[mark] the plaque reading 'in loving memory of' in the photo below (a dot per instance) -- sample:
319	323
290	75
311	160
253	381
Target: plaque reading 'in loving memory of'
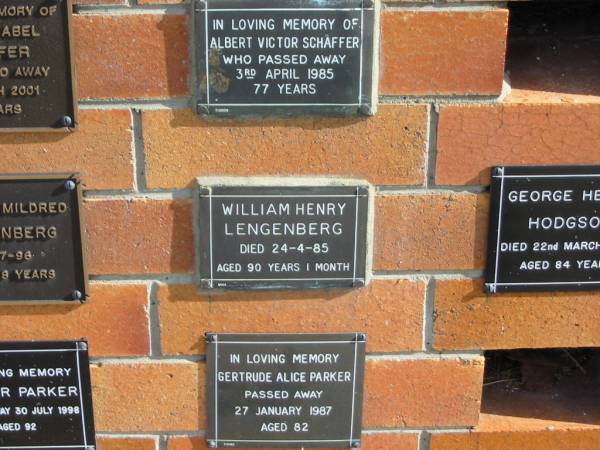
45	396
285	390
544	229
41	251
36	65
286	57
277	237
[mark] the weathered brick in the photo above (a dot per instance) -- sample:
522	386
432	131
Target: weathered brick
386	149
530	440
115	318
430	231
106	443
422	393
100	150
472	138
374	441
131	56
139	236
185	315
98	2
148	397
468	318
443	52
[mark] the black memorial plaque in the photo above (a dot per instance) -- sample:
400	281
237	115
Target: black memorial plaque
286	57
45	396
285	390
36	65
544	232
279	237
41	252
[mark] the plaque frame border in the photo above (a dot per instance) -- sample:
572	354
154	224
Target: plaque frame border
358	338
498	175
249	111
76	177
205	184
74	94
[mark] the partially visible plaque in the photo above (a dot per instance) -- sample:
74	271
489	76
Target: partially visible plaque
45	396
286	57
41	251
544	230
36	66
278	237
285	390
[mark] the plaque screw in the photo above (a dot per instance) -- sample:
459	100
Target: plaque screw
212	444
355	444
498	171
77	295
366	110
70	185
490	288
362	337
203	110
66	121
82	345
210	338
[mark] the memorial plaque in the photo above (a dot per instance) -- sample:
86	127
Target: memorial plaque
286	57
544	229
36	66
45	396
41	252
285	390
277	237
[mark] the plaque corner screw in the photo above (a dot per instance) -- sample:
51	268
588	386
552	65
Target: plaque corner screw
498	170
70	185
212	444
66	121
366	109
82	345
76	295
203	110
209	337
355	444
362	337
490	288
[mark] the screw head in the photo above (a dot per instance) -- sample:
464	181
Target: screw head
366	110
203	110
362	337
66	121
70	185
212	444
355	444
82	345
77	295
498	170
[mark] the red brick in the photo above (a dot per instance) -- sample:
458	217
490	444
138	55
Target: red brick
386	149
148	397
131	56
100	150
422	393
98	2
530	440
185	315
430	231
468	318
114	321
139	236
472	138
375	441
105	443
443	52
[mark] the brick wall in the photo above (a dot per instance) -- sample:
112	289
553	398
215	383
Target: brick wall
445	117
